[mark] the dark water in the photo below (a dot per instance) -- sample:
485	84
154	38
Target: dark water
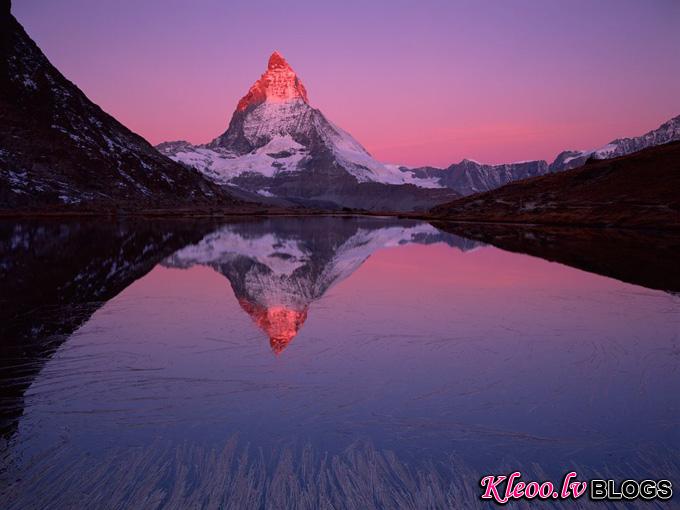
328	363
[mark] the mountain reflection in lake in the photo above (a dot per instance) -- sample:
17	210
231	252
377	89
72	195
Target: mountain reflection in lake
137	367
277	269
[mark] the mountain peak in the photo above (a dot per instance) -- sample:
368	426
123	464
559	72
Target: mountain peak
280	323
278	84
673	121
277	60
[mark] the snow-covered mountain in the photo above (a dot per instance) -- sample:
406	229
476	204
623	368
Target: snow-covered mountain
60	150
667	132
279	267
278	145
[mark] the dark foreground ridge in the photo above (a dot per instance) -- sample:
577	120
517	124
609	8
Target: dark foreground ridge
639	190
60	152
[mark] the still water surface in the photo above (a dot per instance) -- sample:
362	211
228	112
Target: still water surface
318	363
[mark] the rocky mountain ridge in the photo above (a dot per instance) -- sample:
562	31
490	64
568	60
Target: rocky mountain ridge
60	151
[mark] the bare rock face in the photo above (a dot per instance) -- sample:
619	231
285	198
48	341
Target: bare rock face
469	177
278	84
58	150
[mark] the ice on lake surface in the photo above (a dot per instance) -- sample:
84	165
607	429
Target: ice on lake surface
327	362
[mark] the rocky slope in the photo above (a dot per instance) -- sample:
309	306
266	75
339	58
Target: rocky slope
637	190
278	145
58	150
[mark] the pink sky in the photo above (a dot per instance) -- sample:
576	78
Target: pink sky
417	83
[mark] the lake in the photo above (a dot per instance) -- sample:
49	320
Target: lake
329	362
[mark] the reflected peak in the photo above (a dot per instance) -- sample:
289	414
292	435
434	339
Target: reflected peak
280	324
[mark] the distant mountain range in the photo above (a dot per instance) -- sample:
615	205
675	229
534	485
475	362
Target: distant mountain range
469	177
641	189
667	132
58	150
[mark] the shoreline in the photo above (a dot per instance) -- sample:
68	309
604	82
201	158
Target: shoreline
165	214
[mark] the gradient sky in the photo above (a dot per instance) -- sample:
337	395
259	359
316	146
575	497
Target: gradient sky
419	82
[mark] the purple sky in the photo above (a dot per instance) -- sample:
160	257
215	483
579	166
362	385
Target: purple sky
421	82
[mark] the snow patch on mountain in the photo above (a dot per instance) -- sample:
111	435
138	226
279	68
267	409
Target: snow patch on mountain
357	161
280	154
